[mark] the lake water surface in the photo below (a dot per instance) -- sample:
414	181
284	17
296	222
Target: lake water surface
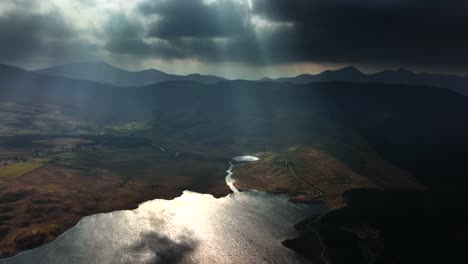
243	227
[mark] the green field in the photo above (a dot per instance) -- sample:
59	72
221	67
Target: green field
16	170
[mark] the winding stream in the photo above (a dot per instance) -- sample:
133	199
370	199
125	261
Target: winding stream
243	227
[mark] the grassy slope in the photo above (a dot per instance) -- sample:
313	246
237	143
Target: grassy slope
16	170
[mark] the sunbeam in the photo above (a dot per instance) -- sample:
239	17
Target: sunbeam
233	131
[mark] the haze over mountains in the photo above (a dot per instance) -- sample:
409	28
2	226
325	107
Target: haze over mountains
102	72
400	76
398	120
403	122
106	73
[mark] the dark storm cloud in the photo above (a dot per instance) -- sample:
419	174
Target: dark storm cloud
257	32
193	29
194	18
401	31
25	35
344	31
127	35
124	35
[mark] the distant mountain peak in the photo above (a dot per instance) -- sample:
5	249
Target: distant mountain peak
303	75
84	65
101	71
349	69
346	73
4	68
405	71
98	62
265	79
94	63
152	71
345	70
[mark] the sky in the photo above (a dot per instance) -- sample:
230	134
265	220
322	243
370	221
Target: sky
238	38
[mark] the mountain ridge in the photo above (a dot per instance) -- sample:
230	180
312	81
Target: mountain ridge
103	72
454	82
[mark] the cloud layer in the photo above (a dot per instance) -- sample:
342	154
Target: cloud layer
253	33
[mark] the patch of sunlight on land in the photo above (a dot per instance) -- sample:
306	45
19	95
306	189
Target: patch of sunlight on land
67	155
16	170
86	156
126	128
272	157
293	148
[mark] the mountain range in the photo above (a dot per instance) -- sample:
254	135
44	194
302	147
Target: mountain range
105	73
380	132
401	76
406	124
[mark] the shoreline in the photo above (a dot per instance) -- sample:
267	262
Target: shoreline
39	241
229	180
185	195
132	207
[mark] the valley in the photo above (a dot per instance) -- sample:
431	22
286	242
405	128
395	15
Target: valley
233	131
62	160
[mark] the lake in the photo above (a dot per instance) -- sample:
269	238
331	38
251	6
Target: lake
243	227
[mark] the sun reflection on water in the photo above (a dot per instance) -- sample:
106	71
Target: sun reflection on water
243	227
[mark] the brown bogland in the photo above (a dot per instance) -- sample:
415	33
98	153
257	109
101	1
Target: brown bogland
308	174
39	205
81	177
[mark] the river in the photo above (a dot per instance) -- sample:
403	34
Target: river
243	227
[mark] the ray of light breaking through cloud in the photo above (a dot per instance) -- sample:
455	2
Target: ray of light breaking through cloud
236	38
